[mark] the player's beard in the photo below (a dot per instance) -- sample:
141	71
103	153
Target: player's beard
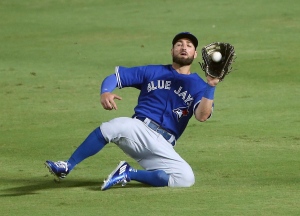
183	61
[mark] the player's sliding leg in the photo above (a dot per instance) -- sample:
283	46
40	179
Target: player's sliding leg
91	145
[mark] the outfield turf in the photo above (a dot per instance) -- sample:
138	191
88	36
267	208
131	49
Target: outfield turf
53	57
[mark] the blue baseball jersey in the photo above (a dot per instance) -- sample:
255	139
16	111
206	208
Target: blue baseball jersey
166	97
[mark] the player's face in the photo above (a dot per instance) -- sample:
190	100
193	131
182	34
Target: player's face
183	52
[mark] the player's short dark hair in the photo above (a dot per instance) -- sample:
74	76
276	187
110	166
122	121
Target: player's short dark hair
187	35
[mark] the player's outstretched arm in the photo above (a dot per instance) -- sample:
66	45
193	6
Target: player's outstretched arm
204	109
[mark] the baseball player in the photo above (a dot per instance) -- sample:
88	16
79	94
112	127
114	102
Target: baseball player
169	96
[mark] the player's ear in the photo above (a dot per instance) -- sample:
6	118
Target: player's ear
195	54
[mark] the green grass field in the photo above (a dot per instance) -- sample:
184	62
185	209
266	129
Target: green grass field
53	58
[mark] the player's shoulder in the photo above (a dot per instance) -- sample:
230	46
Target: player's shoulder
156	68
196	76
197	80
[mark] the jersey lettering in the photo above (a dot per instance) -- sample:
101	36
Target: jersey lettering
165	84
159	84
187	99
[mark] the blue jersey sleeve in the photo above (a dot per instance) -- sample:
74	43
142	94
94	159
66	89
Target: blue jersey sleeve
130	77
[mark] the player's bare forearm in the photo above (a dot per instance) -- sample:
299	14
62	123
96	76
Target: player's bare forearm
107	100
204	109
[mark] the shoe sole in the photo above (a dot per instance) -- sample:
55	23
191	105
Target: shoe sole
112	173
56	178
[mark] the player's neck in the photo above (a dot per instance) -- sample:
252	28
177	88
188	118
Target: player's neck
182	69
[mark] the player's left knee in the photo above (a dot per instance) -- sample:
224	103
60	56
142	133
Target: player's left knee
186	180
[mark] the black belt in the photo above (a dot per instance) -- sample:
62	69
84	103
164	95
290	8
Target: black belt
154	126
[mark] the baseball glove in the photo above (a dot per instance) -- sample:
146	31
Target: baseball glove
214	68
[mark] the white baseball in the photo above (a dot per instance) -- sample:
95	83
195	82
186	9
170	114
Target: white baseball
216	56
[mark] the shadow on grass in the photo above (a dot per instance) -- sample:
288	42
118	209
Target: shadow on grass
32	187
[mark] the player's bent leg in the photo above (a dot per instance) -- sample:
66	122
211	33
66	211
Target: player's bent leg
163	166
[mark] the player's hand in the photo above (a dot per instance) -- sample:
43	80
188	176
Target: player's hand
107	100
212	81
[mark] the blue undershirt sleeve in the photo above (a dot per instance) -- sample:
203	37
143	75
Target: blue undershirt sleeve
109	84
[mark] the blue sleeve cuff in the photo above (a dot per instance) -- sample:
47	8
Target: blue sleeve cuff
209	92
